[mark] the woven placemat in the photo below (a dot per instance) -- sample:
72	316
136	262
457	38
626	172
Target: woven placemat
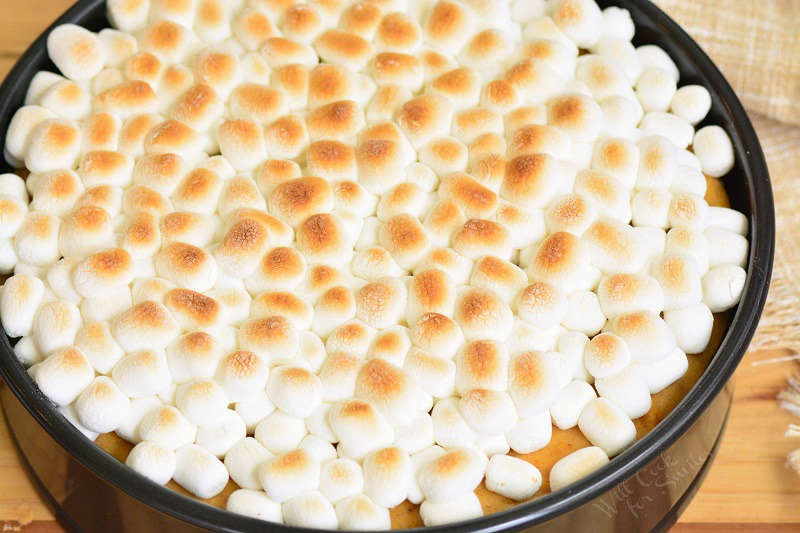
757	46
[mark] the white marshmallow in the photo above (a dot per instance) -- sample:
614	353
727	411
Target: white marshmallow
153	461
199	472
416	435
36	239
726	247
728	219
692	326
142	373
243	460
691	102
606	426
63	375
77	52
139	407
570	402
101	406
714	149
294	390
202	401
626	389
488	412
311	510
26	351
531	433
24	121
663	373
280	433
512	477
534	381
256	504
571	346
575	466
433	374
360	512
359	427
320	449
55	326
723	286
463	507
449	427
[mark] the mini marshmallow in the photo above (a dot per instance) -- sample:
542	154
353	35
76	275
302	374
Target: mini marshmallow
691	102
728	219
324	238
243	460
608	194
692	244
723	286
288	475
512	477
242	142
584	313
679	279
167	427
437	333
648	337
405	238
199	472
434	375
624	293
55	326
333	306
36	239
463	507
280	433
451	475
481	314
201	401
692	327
481	365
614	246
320	449
561	259
67	99
688	211
294	390
76	52
627	390
661	374
576	465
309	509
63	375
242	374
153	461
256	504
145	325
359	427
606	426
726	247
655	88
674	128
650	207
19	301
360	512
605	355
534	381
187	266
138	409
340	479
26	351
570	402
254	408
387	475
488	412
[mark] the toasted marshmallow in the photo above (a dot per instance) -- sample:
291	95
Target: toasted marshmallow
430	291
450	429
76	52
502	277
571	213
433	374
477	237
576	465
562	260
655	88
254	503
624	293
242	247
294	390
323	238
280	268
390	344
531	433
142	373
153	461
359	427
320	449
343	48
193	356
55	325
242	143
63	375
273	172
614	246
335	304
397	32
608	194
167	427
694	246
273	338
481	365
405	238
187	266
285	304
295	200
424	118
53	144
542	305
202	401
288	475
381	303
309	509
360	512
647	336
172	136
482	315
242	374
387	475
451	475
380	164
199	472
436	333
534	381
723	286
605	355
392	391
628	390
339	120
385	102
339	479
488	412
95	341
447	27
280	433
168	39
198	191
472	198
679	279
688	211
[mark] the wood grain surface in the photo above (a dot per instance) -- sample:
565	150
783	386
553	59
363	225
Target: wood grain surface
748	488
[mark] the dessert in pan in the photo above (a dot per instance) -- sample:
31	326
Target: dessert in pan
365	264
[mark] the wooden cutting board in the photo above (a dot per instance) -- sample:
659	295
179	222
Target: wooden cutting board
747	489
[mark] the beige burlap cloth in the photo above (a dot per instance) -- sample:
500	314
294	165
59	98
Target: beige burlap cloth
756	44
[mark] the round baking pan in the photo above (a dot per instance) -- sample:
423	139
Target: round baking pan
643	489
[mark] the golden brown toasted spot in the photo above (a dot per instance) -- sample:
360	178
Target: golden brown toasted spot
344	43
301	195
457	81
143	66
337	116
203	309
405	232
301	19
198	341
566	111
501	93
526	371
282	261
632	322
356	409
145	199
319	233
621	287
615	154
361	18
673	271
244	235
132	94
148	314
332	155
571	209
445	20
268	329
109	263
164	36
431	287
242	363
170	133
292	78
556	249
101	129
184	256
608	236
142	230
451	463
392	64
481	358
480	230
379	379
470	194
397	30
417	113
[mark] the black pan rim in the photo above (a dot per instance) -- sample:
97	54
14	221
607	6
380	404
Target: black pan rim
720	369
